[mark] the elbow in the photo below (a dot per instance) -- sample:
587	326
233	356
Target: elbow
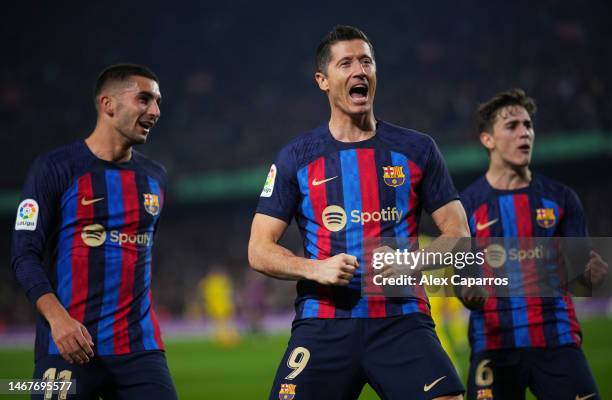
254	257
462	228
457	232
462	232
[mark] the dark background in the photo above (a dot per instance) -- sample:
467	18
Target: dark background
237	82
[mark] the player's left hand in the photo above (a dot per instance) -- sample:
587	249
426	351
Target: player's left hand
596	269
474	297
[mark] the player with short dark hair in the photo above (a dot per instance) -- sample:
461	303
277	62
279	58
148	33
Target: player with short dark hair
524	340
349	183
82	246
340	33
120	74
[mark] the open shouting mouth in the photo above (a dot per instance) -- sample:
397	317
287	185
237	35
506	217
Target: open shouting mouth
359	93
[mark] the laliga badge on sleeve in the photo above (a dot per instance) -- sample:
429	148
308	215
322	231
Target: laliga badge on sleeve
269	186
27	215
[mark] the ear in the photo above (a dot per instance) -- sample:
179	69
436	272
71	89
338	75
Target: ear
487	140
106	105
322	81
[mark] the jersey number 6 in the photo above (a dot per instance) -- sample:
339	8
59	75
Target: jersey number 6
484	374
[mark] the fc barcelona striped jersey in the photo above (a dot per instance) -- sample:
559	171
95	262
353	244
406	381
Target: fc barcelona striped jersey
85	231
543	209
344	195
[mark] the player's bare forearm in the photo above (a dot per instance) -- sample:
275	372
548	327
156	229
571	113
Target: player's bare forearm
452	222
277	261
270	258
51	308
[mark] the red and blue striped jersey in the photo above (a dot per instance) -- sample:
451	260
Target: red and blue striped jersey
543	209
85	231
345	197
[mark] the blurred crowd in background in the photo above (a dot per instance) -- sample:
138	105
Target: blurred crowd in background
237	83
236	86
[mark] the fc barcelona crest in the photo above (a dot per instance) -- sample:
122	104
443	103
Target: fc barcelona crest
394	175
484	394
287	391
151	203
545	217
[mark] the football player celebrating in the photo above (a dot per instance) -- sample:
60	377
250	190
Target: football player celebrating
524	340
348	183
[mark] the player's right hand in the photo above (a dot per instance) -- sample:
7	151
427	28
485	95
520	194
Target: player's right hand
72	339
337	270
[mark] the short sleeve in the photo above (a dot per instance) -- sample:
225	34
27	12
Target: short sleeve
280	195
573	223
437	188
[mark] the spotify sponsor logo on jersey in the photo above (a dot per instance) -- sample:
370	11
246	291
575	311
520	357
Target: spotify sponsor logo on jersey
385	215
95	235
334	217
141	239
496	255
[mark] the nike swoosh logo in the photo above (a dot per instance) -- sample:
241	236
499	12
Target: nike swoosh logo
317	183
427	388
480	226
588	396
86	202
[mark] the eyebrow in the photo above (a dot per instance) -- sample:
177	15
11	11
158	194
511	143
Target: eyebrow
517	120
150	95
361	57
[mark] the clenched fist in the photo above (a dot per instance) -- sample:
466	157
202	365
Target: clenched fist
337	270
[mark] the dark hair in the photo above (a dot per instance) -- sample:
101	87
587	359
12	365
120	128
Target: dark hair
338	34
120	73
488	111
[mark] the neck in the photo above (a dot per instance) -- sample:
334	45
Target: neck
508	178
352	128
107	144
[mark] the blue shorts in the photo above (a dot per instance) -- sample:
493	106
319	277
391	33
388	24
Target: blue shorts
400	357
142	375
550	373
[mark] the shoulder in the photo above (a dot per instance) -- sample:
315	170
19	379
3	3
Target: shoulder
65	158
545	183
553	189
478	186
549	187
304	148
477	192
401	137
419	147
148	163
150	167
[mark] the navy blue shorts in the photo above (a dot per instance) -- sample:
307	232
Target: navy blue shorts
550	373
142	375
400	357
